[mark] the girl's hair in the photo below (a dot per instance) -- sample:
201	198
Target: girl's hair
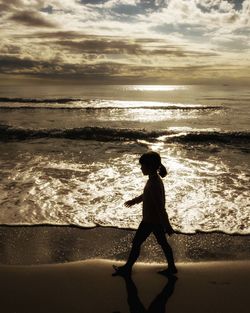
153	160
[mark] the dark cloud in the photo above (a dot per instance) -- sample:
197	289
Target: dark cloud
54	35
102	46
180	52
12	64
10	49
31	18
79	43
10	5
123	47
53	68
110	72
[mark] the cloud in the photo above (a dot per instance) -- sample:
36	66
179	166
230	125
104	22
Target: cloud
134	39
109	72
57	70
10	5
31	18
107	46
60	34
13	64
210	13
117	46
10	49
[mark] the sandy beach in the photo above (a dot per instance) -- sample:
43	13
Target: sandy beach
68	269
88	286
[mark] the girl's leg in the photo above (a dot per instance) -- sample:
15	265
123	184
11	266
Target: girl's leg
141	235
161	239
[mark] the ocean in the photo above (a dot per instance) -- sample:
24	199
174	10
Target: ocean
69	154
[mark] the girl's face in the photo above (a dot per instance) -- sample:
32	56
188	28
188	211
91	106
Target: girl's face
145	170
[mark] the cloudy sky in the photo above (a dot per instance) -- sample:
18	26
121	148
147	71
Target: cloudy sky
130	41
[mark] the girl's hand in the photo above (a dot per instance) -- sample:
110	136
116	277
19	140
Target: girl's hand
129	203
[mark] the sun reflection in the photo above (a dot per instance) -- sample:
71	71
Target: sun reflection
157	87
176	165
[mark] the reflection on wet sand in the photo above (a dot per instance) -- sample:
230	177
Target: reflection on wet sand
157	305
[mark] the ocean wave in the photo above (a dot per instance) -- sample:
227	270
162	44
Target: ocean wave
85	133
119	134
225	99
37	100
211	137
89	108
97	104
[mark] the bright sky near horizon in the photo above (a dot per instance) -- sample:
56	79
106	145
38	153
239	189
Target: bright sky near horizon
125	42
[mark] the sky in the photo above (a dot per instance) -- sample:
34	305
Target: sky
125	42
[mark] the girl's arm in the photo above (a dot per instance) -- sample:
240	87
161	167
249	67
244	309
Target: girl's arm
134	201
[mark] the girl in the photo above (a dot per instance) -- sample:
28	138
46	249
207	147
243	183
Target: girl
155	219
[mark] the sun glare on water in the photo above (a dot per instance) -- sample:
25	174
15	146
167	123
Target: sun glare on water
157	87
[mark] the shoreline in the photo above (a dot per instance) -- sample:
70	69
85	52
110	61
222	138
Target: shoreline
40	244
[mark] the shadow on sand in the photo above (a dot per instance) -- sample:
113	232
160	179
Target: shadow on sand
157	305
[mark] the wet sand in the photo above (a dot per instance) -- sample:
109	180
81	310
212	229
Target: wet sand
24	245
67	269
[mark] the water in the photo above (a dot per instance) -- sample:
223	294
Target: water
69	155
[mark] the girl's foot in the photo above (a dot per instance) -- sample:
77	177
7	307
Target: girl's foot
169	271
122	270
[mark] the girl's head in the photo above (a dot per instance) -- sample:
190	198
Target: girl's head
151	162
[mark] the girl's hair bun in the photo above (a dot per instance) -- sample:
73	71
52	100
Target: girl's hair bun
162	171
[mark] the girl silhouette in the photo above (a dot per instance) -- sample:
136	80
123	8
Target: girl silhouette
154	217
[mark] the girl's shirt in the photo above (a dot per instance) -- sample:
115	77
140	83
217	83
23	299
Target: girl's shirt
153	208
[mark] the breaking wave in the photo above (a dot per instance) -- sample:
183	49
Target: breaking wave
119	134
37	100
97	104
